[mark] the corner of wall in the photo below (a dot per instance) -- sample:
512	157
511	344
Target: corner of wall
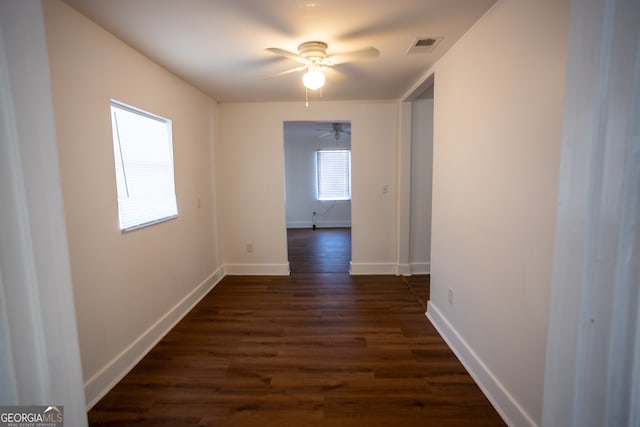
97	386
494	390
420	267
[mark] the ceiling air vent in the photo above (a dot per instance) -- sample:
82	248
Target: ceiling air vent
424	44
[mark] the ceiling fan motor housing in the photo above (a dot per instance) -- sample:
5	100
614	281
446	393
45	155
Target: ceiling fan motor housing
313	51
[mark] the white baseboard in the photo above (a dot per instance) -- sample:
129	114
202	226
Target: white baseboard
403	270
333	224
98	385
506	405
413	268
420	268
299	224
319	224
372	268
256	269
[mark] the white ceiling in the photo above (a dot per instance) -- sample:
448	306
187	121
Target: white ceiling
219	45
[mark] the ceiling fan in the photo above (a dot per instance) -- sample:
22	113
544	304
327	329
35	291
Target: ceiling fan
313	57
336	131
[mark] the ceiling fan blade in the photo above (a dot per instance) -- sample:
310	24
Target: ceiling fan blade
367	52
287	54
292	70
335	75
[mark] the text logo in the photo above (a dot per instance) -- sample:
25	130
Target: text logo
31	416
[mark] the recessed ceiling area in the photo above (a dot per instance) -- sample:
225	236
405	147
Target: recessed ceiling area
219	46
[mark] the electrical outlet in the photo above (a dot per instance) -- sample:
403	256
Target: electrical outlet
450	296
385	188
249	247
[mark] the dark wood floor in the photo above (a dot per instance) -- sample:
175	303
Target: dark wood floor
311	349
323	250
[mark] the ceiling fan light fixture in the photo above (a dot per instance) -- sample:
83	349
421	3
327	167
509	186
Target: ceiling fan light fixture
313	57
313	79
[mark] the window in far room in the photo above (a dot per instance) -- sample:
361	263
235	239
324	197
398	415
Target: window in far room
333	168
143	154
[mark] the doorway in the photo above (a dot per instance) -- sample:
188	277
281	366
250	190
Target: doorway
323	250
421	163
318	195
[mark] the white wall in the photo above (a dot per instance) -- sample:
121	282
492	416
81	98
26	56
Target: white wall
39	352
129	288
421	168
300	179
250	163
497	133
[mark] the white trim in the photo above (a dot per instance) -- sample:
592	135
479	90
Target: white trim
333	224
593	316
320	224
359	268
100	384
299	224
506	405
403	270
420	268
33	251
256	269
18	261
403	188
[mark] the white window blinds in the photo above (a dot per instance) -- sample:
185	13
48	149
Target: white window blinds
334	174
143	155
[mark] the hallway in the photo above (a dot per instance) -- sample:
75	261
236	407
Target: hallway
323	250
310	349
317	348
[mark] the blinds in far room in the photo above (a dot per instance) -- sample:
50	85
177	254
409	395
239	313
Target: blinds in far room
334	174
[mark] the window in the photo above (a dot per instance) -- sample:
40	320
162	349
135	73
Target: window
334	174
143	155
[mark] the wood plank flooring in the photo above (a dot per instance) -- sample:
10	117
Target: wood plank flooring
323	250
311	349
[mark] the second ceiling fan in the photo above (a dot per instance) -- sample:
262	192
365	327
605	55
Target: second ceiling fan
337	130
